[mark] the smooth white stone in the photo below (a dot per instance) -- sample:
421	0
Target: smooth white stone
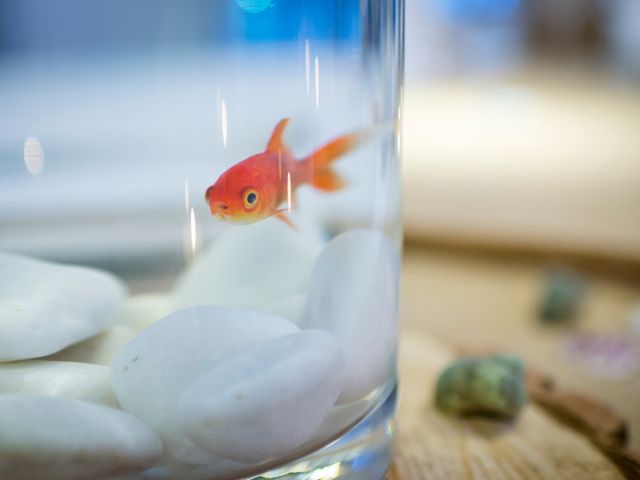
142	311
291	308
353	295
46	438
251	266
136	314
78	381
221	468
46	307
267	401
98	350
341	417
152	371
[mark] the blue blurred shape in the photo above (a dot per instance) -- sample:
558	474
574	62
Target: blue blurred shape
73	26
480	10
290	20
254	6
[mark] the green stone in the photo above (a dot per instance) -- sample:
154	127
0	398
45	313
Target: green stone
490	386
563	294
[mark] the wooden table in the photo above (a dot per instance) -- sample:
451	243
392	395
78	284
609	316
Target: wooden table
431	445
462	299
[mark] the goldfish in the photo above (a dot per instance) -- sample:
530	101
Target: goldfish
258	186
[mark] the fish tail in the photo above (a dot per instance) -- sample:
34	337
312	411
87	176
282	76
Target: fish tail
318	165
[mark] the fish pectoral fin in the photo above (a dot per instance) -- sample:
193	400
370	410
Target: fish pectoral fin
281	215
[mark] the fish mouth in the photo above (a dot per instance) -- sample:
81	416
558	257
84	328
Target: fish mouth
236	220
220	210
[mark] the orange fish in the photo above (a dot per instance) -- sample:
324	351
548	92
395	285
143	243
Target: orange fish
257	187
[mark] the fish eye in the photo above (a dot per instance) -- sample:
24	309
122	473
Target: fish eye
250	198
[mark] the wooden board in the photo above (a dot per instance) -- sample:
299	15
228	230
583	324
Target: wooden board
431	445
489	303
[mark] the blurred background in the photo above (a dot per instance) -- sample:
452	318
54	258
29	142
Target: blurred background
522	185
521	163
522	124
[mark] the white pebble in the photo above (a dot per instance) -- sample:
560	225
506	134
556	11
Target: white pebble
353	295
291	307
152	371
98	350
250	266
142	311
341	417
79	381
266	401
136	314
46	307
46	438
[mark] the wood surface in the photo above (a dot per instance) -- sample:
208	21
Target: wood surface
432	445
460	299
490	302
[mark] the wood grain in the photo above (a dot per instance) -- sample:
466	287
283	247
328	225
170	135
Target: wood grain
490	303
431	445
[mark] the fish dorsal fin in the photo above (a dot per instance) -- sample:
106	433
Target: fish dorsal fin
275	144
